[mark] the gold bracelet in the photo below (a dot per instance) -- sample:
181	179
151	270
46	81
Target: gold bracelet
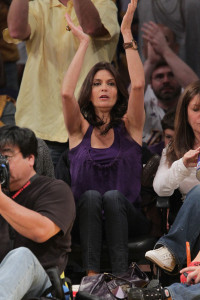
131	45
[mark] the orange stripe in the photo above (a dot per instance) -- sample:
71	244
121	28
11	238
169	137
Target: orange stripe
188	253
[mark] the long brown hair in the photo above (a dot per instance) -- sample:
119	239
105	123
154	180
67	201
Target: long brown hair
184	137
86	106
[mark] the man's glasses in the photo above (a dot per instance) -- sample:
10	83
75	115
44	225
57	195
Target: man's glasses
10	157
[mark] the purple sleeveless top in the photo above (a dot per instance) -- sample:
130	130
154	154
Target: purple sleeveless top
118	167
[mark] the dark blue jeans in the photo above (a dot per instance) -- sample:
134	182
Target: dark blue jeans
56	149
120	219
186	227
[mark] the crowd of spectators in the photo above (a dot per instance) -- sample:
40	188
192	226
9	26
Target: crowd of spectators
40	40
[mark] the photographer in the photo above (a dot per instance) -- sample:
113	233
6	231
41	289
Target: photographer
36	217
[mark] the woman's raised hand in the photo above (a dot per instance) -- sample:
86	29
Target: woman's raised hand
128	17
76	30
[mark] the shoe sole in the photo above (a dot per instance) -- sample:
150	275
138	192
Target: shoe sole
159	263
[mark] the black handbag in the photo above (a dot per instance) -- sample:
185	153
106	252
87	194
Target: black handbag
108	286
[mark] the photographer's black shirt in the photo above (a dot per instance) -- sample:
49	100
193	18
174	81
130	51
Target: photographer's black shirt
52	198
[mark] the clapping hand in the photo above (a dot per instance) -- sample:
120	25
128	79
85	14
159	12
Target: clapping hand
155	36
152	55
76	30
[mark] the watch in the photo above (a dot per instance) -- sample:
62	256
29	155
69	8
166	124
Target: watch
131	45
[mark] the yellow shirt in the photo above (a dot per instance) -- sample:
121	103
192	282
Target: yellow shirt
50	50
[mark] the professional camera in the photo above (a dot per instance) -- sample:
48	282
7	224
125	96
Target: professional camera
4	172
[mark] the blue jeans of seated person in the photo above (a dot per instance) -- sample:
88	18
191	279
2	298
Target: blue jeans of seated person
22	276
186	227
180	291
120	220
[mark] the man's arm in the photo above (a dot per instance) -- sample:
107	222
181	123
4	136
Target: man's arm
18	20
154	35
152	59
27	222
134	118
71	109
89	18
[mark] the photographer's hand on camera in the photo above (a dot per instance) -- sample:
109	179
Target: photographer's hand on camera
4	172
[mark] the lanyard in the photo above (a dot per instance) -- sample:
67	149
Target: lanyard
20	190
24	186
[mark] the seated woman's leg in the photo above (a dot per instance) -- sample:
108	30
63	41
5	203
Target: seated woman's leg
171	248
89	213
186	227
116	227
120	214
22	276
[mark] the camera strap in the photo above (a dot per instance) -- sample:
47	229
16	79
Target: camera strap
24	186
20	190
16	194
